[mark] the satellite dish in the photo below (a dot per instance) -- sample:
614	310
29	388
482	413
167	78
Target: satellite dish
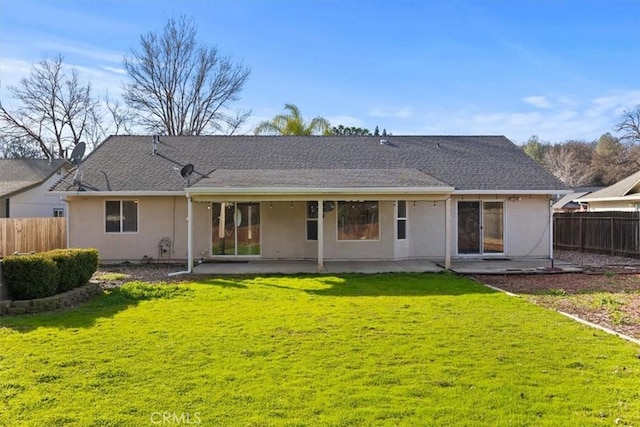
76	159
78	153
186	171
328	206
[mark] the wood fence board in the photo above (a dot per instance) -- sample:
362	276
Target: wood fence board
31	235
613	233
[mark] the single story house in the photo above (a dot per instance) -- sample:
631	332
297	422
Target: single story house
201	198
569	203
24	185
623	196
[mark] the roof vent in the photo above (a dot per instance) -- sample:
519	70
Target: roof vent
154	145
384	142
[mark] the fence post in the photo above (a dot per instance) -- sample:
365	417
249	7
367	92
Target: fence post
581	234
611	227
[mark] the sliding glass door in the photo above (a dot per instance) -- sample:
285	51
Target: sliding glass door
480	227
235	229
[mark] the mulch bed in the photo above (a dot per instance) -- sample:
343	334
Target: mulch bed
580	294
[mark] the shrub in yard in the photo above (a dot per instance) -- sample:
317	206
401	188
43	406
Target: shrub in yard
30	276
75	266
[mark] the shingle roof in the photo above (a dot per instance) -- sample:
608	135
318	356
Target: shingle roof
126	163
17	175
627	186
311	178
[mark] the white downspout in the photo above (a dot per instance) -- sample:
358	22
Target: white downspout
551	231
189	240
320	235
447	233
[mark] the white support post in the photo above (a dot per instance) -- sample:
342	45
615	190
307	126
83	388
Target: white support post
551	231
320	235
190	235
447	232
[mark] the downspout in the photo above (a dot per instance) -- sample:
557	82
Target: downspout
551	230
189	240
447	233
68	220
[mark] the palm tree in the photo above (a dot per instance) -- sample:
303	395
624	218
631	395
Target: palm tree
292	123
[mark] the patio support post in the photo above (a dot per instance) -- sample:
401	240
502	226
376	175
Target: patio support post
320	235
190	235
551	230
447	233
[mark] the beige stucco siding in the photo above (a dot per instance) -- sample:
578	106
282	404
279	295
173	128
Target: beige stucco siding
158	217
426	229
283	230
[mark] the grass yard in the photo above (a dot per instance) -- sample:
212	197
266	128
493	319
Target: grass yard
392	349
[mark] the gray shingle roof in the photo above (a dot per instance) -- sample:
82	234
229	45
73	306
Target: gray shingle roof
126	163
17	175
628	185
311	178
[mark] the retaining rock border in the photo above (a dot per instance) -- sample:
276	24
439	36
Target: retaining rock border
41	305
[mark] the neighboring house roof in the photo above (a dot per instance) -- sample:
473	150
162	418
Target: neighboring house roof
568	200
483	163
18	175
626	189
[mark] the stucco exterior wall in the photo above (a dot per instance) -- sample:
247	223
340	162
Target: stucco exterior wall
526	225
158	217
36	202
283	230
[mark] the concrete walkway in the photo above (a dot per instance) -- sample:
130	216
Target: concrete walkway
512	266
467	266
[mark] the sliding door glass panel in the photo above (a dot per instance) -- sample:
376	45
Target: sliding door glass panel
223	230
235	228
469	227
493	228
247	221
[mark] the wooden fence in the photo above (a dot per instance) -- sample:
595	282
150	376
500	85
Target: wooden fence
31	235
612	233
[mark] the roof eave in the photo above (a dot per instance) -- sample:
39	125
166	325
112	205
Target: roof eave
521	192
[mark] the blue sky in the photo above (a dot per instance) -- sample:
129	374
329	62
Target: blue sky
557	69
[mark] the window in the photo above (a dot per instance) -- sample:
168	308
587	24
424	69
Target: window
358	221
312	220
121	216
58	212
401	220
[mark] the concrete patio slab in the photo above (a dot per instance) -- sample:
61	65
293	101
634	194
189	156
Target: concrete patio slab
467	266
512	266
332	267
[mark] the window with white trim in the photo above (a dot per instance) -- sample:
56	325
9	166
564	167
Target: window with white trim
312	220
58	212
121	216
358	221
401	220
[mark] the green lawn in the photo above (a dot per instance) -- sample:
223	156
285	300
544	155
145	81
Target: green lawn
403	349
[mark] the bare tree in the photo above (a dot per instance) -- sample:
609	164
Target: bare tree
180	88
55	109
19	148
629	125
564	163
121	116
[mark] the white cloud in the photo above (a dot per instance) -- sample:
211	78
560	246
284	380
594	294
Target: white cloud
114	69
397	113
347	121
537	101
